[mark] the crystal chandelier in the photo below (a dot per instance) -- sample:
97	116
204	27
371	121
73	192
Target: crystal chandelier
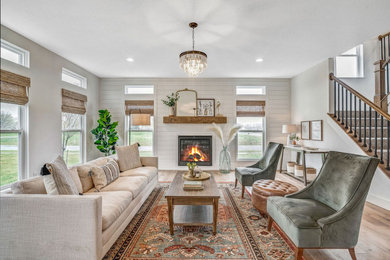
193	62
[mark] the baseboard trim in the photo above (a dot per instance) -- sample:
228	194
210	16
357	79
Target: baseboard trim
379	201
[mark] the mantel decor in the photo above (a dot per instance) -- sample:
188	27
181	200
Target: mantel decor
194	120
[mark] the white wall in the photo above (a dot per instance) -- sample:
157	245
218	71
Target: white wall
309	101
44	107
277	110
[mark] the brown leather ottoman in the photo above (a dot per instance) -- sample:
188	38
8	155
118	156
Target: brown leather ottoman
262	189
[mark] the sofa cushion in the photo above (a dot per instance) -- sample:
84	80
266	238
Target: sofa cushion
113	204
84	169
298	218
134	184
128	157
59	181
104	175
149	172
32	185
75	177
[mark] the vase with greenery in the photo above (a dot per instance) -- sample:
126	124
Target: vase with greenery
170	101
191	167
105	134
225	163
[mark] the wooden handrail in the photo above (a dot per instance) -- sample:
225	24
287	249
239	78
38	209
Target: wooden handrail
360	96
380	37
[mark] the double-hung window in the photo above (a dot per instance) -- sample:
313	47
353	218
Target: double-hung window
140	125
350	63
11	143
250	138
72	138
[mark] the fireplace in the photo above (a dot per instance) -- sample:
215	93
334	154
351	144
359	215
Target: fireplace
195	149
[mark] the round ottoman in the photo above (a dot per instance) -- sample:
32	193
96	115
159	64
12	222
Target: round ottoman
262	189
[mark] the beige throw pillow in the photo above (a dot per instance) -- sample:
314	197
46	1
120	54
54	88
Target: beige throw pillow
104	175
59	181
128	157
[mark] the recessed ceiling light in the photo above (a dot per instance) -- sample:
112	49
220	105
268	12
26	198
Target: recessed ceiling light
130	59
259	60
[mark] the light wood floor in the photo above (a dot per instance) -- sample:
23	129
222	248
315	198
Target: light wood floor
374	238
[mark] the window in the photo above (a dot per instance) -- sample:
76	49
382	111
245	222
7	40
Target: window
250	90
350	63
74	78
72	138
139	89
15	54
11	143
142	134
250	138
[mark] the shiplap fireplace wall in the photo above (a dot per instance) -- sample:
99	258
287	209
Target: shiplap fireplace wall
112	97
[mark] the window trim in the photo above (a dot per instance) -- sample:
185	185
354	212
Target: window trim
140	86
264	88
83	138
22	151
24	54
263	131
360	62
69	73
128	129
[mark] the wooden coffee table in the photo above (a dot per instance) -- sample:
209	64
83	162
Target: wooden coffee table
192	208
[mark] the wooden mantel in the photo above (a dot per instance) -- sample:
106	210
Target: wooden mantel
194	119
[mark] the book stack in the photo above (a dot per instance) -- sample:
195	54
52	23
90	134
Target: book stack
192	185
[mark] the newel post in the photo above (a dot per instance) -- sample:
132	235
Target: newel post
380	98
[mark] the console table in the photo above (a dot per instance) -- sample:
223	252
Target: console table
301	151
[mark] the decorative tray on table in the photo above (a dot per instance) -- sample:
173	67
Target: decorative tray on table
202	176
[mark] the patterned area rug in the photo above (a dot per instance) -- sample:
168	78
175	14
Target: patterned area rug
242	233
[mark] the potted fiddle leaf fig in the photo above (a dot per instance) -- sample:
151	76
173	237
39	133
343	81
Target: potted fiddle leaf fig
105	134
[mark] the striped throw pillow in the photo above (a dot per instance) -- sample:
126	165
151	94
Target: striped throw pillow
104	175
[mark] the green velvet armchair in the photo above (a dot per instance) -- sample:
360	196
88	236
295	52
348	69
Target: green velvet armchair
265	168
328	212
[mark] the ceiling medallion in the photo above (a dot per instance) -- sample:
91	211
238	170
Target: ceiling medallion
193	62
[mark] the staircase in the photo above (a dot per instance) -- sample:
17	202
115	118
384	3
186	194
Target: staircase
365	122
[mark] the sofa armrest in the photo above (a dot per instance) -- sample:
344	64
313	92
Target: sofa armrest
50	227
150	161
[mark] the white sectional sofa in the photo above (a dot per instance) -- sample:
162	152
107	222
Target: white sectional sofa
35	225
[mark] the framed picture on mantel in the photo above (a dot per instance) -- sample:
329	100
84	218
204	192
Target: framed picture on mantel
206	106
316	130
305	130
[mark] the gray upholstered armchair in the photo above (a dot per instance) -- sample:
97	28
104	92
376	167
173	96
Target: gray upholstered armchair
328	212
265	168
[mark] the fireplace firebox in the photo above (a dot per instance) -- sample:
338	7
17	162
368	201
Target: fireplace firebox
195	149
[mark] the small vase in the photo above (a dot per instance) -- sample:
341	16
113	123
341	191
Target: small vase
192	174
224	160
172	110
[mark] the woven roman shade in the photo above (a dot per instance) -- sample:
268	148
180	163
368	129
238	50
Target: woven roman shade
250	108
139	107
73	102
14	88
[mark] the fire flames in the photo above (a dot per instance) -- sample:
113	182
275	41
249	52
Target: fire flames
194	154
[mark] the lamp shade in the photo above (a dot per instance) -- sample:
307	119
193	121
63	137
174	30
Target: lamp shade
289	129
140	119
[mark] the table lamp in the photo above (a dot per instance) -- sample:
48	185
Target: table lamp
289	129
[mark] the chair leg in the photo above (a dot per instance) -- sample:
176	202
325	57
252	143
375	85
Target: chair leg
242	192
235	183
352	253
270	221
298	253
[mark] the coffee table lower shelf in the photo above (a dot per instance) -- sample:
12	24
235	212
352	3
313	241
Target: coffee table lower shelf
193	215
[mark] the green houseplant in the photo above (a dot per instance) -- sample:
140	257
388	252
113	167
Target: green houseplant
171	102
105	134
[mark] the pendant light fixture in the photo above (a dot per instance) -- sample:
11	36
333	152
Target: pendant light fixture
193	62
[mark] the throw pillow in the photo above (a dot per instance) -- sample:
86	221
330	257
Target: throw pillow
104	175
59	181
128	157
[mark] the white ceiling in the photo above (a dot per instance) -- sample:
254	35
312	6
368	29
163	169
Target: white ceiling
290	35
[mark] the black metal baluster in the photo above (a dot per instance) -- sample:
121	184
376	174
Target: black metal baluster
350	113
346	108
365	126
342	105
360	120
376	134
334	99
355	132
381	139
369	129
338	101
